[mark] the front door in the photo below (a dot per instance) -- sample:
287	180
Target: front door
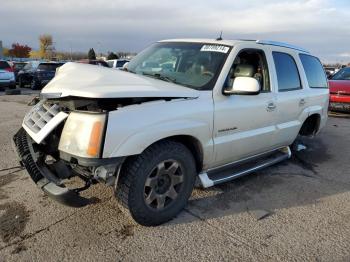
244	125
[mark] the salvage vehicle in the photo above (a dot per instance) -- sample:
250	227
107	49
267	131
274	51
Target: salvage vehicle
37	74
339	88
182	112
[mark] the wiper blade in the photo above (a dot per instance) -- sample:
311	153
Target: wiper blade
161	77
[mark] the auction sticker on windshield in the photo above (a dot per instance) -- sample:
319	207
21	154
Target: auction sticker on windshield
215	48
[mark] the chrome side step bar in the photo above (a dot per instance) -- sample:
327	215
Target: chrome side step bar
242	168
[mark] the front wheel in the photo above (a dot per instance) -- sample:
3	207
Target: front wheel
34	85
156	185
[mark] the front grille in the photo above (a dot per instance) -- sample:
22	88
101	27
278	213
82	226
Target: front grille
40	115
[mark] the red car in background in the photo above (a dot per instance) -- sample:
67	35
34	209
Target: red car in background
339	88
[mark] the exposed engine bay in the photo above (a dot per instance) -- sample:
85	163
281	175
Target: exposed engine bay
68	104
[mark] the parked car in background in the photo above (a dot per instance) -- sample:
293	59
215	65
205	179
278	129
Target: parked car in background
117	63
339	88
7	76
37	74
94	62
330	70
18	66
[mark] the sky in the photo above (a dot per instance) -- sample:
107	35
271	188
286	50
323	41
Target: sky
321	26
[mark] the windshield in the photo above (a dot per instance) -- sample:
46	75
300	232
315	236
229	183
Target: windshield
343	74
195	65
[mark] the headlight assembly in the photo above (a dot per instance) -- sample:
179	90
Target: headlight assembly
82	134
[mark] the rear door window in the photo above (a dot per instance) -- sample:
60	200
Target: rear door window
287	72
315	74
4	65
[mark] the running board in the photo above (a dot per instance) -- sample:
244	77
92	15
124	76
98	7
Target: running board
238	169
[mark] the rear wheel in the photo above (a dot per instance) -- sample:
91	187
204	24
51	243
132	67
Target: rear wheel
156	185
13	86
20	82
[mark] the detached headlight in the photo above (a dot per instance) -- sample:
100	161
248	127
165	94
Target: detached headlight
82	134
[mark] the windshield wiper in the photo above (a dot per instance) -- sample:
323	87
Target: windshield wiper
161	77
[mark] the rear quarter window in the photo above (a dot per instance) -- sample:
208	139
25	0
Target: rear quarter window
287	72
4	65
315	74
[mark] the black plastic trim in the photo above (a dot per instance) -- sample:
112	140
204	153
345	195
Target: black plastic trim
41	175
90	162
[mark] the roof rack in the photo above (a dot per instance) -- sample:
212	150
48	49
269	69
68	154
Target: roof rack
275	43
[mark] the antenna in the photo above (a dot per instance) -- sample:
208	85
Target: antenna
220	37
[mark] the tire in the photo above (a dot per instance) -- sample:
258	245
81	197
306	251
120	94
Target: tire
13	86
34	85
166	173
20	82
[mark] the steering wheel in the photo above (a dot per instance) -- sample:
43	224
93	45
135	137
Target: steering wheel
208	73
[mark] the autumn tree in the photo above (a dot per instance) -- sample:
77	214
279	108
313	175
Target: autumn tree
46	46
6	52
18	50
91	54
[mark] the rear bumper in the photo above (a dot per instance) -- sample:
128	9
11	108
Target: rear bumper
339	106
41	175
7	83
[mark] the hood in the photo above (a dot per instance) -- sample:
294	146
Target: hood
90	81
339	86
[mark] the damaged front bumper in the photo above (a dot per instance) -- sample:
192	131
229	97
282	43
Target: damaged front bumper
44	178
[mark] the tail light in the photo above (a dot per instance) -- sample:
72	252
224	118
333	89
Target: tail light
9	69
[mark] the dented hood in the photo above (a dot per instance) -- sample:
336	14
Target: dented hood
84	80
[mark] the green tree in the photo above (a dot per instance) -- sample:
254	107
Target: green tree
112	55
91	54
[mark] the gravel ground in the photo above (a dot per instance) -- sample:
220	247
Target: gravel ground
298	210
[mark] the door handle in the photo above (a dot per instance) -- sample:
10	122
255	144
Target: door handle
302	102
271	106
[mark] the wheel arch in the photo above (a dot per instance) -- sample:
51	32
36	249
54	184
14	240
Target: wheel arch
192	144
311	125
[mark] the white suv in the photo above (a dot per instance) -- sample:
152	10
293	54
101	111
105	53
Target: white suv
211	110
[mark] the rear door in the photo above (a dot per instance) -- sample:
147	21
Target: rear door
291	96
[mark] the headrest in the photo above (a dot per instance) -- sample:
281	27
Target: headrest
244	70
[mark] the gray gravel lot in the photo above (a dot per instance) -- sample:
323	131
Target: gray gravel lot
298	210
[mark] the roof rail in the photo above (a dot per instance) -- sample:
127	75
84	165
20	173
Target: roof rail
275	43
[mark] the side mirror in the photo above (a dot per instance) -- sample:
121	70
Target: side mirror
243	86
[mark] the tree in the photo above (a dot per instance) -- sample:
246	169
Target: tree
46	46
35	54
18	50
6	52
91	54
112	55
